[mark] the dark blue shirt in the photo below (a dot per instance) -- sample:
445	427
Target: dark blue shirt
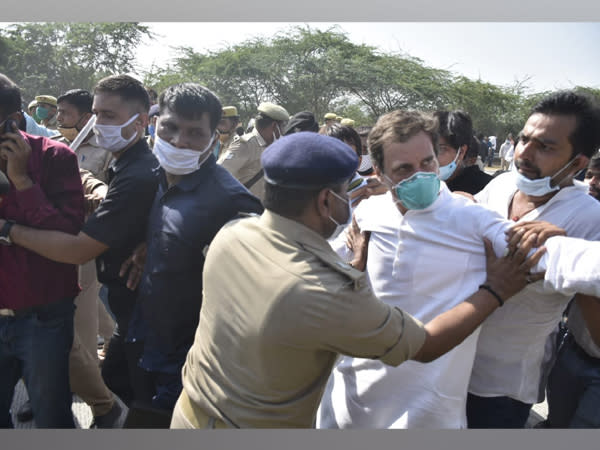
183	221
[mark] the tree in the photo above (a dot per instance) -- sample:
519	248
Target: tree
51	58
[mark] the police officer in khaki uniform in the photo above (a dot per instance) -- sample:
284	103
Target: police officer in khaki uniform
330	119
46	110
272	325
227	126
242	159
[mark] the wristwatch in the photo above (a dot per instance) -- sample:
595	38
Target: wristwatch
5	232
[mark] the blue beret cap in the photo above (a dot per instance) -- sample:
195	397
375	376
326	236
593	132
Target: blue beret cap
308	160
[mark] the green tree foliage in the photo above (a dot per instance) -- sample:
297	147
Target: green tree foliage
51	58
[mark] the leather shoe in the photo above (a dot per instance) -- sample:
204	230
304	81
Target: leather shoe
25	413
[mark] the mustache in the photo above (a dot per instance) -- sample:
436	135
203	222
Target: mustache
523	164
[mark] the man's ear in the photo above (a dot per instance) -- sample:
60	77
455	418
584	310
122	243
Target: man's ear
322	203
142	119
581	162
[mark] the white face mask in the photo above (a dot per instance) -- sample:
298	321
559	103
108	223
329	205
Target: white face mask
340	226
110	138
179	161
274	135
365	163
540	186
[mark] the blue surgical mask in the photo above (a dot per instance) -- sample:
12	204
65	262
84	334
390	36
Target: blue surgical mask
540	186
447	170
418	191
41	112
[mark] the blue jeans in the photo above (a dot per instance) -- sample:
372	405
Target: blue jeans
574	389
496	412
36	346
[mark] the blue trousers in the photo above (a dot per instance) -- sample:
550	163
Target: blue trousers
496	412
574	388
36	347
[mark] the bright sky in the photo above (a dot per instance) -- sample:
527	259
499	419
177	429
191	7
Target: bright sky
552	55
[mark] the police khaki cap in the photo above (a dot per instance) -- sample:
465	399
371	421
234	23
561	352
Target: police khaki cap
49	99
273	111
330	116
338	118
230	111
32	103
347	122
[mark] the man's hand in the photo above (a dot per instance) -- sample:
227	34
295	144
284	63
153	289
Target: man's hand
511	273
93	199
522	231
373	187
135	265
15	150
358	243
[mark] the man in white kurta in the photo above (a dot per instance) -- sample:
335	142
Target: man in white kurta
510	355
424	261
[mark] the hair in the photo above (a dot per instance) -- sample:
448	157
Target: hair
126	87
585	138
472	149
400	126
455	127
10	96
82	100
345	134
363	130
291	202
190	100
595	161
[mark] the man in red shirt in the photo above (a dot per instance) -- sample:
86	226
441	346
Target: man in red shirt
36	294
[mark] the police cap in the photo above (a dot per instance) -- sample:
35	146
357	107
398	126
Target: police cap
230	111
330	116
49	99
273	111
308	160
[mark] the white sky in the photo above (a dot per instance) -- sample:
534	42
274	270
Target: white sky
552	55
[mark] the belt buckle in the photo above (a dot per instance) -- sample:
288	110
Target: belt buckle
5	312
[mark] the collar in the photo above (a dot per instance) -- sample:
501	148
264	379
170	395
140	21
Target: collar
259	138
293	230
310	240
130	155
191	181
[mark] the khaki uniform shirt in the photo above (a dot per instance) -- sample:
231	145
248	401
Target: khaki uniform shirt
242	160
273	323
230	139
91	157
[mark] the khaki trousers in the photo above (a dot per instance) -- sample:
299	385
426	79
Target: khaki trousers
84	370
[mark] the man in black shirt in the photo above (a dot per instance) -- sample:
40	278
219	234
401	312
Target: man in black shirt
118	225
457	147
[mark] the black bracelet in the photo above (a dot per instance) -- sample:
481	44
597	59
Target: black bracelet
491	291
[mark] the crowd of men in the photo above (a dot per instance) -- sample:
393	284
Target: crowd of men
295	274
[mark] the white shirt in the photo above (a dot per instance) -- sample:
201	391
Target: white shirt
424	263
573	266
510	351
507	151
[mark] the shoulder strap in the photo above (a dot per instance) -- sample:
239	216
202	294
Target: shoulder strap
252	181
